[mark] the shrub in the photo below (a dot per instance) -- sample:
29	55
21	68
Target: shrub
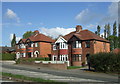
20	60
7	56
105	62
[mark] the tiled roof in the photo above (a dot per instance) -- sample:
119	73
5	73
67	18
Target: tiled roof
23	40
40	37
85	35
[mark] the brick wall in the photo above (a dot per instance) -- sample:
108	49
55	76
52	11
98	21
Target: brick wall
45	49
49	65
101	47
77	63
86	51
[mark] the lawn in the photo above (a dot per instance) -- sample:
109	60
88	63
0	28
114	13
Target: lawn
22	77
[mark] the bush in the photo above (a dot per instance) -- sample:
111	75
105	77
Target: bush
20	60
105	62
7	56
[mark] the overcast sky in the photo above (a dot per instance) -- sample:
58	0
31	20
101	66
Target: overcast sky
54	18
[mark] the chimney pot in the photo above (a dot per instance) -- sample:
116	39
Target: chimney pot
78	28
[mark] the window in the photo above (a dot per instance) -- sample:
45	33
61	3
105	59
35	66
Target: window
36	44
24	54
63	57
87	44
18	47
22	46
29	44
76	57
32	44
54	47
63	45
76	44
54	57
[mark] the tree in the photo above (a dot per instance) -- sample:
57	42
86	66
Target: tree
102	36
95	32
105	31
98	30
113	42
108	30
119	30
118	42
114	29
13	42
27	34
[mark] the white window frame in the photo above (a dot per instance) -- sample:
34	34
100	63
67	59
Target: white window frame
54	47
63	45
32	44
24	54
63	57
36	44
54	56
80	57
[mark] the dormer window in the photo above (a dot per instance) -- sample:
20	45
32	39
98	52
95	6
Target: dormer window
87	44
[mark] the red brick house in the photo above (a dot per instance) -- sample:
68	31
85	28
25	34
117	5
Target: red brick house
76	46
37	45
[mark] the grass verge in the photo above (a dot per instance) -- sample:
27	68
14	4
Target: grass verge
22	77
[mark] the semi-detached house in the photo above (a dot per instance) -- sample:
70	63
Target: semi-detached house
73	48
77	46
37	45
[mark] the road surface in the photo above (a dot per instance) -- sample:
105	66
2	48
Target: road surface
75	75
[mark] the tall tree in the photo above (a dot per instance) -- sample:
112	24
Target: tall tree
105	31
13	42
119	30
118	42
95	32
114	29
27	34
108	30
98	30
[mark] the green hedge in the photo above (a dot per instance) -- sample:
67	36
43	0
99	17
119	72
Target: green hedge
105	62
31	59
7	56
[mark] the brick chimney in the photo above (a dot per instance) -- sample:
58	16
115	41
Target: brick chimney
78	28
36	32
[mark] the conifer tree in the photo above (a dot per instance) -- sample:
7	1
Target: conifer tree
114	29
105	31
13	42
108	30
98	30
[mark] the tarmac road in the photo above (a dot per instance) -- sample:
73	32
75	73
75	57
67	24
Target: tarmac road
75	74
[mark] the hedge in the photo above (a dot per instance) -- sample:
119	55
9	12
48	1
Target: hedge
31	59
105	62
7	56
